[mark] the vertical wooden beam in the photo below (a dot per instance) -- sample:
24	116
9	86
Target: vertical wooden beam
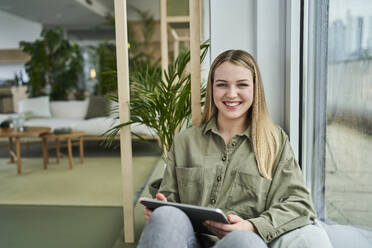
176	44
176	49
164	36
194	6
125	134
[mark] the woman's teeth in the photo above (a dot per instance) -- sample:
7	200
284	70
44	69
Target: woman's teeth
232	104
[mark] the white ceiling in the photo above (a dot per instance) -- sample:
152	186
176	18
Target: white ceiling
70	14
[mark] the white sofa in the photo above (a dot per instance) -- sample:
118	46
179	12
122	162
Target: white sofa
40	111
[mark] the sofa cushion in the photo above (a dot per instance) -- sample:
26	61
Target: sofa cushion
96	126
99	106
69	109
54	123
7	117
142	129
114	109
37	106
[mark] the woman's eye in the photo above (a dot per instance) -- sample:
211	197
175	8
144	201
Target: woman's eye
243	85
221	85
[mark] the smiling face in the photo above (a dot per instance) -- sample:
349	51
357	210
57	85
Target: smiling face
232	92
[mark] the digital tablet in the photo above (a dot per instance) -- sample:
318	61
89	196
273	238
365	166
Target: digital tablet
196	214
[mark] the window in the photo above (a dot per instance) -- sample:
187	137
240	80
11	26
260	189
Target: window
337	109
348	136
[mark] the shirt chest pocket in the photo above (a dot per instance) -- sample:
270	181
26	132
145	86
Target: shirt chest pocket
190	184
247	195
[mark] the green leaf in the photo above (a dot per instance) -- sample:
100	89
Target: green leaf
163	105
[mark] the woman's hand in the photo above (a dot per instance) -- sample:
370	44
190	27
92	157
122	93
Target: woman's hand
237	223
148	212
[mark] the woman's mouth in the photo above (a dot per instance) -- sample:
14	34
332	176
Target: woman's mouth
232	105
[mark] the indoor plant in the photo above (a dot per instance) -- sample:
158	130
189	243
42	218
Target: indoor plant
55	65
163	105
139	48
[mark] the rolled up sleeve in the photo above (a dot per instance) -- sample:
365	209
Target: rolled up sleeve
288	204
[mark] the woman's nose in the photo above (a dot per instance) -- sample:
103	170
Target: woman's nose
232	92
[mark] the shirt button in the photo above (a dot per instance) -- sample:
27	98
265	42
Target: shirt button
224	158
233	143
219	178
269	237
213	201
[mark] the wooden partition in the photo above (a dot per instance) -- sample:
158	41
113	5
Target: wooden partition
125	133
194	6
195	67
123	93
163	36
171	23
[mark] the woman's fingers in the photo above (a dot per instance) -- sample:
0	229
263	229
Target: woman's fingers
216	231
234	218
220	226
160	197
147	213
212	231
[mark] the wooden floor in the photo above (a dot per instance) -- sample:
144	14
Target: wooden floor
80	227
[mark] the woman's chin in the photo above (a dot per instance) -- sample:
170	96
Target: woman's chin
232	116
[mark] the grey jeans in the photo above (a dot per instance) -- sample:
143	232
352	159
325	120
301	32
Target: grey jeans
170	227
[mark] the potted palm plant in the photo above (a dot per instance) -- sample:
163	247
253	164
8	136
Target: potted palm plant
162	105
55	65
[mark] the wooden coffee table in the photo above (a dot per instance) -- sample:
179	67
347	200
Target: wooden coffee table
67	136
10	133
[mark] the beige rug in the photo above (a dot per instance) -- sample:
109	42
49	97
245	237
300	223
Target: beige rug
97	182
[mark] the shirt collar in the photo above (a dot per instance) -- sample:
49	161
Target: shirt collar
211	125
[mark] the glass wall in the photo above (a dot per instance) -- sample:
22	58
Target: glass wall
348	166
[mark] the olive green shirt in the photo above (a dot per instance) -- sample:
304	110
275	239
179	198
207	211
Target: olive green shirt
202	170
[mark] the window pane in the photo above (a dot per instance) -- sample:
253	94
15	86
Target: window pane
348	183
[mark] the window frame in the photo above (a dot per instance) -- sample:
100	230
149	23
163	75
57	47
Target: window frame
314	99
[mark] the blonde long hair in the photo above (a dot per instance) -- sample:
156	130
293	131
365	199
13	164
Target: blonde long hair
263	131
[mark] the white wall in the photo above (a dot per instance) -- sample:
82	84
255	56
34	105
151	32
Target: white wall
232	26
14	29
257	26
271	39
269	30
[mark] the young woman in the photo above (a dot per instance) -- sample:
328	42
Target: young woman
237	160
